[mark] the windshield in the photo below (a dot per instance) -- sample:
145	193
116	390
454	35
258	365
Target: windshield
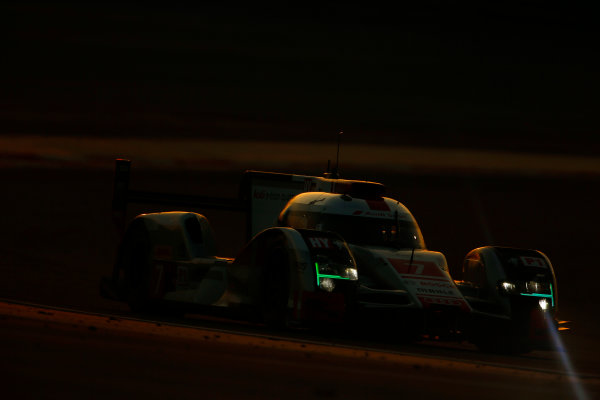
365	231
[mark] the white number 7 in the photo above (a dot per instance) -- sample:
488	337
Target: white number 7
420	268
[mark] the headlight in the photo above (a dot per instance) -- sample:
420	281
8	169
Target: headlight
328	272
327	284
329	269
532	287
351	273
507	287
537	287
336	271
542	290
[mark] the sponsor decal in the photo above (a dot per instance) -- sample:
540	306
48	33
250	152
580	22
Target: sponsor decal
428	283
382	214
165	277
435	291
309	185
427	268
319	243
428	301
377	205
262	194
267	203
533	262
156	281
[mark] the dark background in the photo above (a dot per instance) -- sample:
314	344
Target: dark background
517	76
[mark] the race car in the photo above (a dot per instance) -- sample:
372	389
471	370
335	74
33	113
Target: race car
506	301
324	249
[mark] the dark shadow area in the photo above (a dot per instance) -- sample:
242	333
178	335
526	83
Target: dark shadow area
518	77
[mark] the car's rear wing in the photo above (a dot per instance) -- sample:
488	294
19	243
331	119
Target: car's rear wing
265	194
122	196
262	195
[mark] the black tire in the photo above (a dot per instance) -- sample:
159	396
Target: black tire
134	260
502	345
505	339
276	288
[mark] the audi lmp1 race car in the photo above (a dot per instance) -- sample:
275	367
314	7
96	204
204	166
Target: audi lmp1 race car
328	250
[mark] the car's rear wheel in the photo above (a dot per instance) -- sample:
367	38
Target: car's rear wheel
502	338
275	288
134	260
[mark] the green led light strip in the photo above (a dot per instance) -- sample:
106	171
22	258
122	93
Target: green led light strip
319	276
551	295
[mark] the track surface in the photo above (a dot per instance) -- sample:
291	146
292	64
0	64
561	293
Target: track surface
59	241
57	353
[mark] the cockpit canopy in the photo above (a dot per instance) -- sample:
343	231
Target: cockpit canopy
375	222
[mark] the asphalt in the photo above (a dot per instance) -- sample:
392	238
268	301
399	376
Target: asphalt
52	353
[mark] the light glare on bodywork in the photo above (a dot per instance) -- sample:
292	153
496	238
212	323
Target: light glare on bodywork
578	389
